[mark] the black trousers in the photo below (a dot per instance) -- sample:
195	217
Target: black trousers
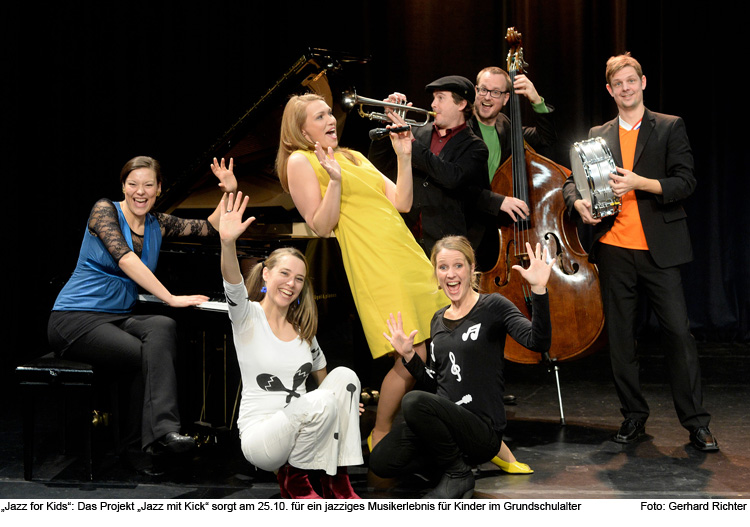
622	272
140	352
446	433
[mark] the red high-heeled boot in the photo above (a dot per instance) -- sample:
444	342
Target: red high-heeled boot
295	484
281	478
338	487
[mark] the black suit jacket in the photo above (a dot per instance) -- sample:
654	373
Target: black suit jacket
441	183
662	152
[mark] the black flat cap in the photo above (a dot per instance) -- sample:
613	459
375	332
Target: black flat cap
454	83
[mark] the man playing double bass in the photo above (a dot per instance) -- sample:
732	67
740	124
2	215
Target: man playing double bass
643	247
493	126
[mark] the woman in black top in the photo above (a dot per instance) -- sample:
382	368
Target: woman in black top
462	422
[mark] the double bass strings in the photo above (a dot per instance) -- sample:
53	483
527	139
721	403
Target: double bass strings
520	184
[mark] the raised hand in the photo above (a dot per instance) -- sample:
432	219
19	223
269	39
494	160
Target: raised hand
227	181
401	141
328	162
401	342
523	86
395	113
539	270
231	225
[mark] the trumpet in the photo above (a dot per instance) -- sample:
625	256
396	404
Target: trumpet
350	99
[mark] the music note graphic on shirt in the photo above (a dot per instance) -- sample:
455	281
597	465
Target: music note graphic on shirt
472	332
466	399
455	368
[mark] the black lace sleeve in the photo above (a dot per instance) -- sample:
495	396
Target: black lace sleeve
172	226
105	225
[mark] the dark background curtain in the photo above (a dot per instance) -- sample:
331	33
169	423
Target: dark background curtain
91	84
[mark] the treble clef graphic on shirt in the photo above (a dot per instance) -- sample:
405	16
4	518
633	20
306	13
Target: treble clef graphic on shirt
455	368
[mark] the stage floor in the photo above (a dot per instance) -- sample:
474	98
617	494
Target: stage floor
574	460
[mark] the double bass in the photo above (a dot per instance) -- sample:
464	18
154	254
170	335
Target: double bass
575	297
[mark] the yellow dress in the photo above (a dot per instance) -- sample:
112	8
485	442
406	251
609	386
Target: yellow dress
387	270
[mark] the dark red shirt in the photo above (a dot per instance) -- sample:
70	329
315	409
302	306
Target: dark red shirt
438	142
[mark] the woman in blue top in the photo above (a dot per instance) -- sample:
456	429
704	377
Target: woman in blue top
92	320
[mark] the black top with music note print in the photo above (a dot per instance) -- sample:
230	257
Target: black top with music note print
465	358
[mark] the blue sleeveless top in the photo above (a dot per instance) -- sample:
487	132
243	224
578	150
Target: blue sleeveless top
97	283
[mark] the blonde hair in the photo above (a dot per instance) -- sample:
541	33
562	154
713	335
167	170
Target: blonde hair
303	314
494	70
615	64
462	245
291	137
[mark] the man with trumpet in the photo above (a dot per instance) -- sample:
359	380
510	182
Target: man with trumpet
447	159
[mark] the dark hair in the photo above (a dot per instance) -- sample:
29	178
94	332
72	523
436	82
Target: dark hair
140	162
468	110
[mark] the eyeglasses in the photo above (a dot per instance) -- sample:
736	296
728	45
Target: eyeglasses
495	94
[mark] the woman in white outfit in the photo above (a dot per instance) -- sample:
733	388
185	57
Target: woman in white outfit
283	427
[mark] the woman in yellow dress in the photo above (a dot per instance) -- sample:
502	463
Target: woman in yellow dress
338	190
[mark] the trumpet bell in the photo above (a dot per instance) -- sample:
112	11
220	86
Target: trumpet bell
348	100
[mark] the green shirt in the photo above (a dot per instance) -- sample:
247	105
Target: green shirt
491	139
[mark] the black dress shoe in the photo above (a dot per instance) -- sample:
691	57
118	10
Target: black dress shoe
177	443
630	431
702	439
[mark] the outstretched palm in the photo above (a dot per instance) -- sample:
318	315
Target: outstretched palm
231	225
328	162
401	342
539	270
225	175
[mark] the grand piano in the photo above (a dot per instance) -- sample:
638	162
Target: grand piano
210	378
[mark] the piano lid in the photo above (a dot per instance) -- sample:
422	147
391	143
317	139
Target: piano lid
252	141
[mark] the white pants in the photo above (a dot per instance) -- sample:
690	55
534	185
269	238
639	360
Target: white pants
317	431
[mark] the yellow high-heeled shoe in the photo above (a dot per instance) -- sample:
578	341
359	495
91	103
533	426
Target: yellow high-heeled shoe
369	442
512	468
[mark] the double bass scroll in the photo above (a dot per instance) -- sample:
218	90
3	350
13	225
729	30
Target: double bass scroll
575	298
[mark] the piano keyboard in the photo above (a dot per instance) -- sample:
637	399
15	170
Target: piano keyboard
211	305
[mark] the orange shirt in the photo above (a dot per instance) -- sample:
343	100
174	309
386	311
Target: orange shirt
627	231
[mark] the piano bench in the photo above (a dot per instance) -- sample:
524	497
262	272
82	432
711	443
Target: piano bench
58	378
